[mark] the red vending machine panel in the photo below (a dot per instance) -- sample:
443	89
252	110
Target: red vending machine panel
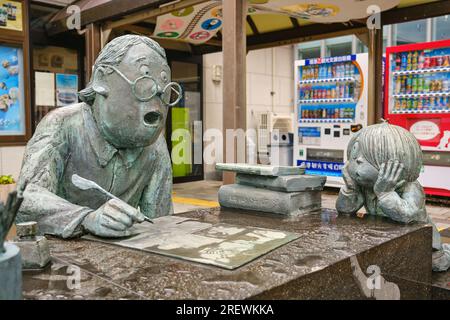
417	92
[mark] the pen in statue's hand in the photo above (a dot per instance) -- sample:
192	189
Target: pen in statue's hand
85	184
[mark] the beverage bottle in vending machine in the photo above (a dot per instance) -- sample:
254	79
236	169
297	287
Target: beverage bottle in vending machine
351	90
414	84
432	103
445	85
439	61
445	102
409	84
420	83
446	62
421	61
398	85
398	62
415	60
404	61
427	60
403	105
409	61
419	104
405	85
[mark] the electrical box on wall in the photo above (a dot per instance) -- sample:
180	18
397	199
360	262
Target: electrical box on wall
217	73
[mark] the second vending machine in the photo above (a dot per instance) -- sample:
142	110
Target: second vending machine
417	87
331	105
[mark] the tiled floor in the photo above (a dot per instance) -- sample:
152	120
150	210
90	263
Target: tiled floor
201	194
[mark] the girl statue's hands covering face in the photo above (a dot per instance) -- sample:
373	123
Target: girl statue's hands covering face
389	177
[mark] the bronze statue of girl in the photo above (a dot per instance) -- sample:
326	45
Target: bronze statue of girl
384	163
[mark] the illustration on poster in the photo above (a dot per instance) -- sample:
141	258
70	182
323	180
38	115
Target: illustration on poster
11	15
11	109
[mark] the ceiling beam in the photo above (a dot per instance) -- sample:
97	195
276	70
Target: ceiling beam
294	22
108	10
252	24
302	34
421	11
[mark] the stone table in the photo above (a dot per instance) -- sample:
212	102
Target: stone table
315	266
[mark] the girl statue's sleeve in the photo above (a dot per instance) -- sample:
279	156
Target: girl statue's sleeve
349	201
408	207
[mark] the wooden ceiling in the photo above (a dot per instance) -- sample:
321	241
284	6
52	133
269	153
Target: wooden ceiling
263	30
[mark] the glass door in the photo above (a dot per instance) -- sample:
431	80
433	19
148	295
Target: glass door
184	132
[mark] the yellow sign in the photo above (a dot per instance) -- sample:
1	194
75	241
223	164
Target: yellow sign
11	15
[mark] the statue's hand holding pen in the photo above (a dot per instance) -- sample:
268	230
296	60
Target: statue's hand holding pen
113	219
389	178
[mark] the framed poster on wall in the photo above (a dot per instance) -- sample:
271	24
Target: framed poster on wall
66	89
12	107
11	15
15	87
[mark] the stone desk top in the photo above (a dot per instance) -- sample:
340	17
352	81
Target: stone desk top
316	265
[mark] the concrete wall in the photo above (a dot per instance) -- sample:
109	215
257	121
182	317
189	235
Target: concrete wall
11	160
268	70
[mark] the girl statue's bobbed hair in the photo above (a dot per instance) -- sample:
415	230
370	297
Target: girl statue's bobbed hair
382	142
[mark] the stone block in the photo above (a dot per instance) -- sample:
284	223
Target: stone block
257	199
260	169
35	253
10	273
293	183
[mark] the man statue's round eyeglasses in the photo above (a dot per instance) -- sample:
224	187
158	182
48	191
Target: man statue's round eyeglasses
145	88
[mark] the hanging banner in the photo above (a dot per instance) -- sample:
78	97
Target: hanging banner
324	11
195	24
198	24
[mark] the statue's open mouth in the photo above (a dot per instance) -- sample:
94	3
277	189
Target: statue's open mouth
152	118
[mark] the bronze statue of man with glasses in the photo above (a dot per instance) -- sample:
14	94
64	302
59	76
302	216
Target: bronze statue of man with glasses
112	139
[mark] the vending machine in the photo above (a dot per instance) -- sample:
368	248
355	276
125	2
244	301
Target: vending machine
331	105
417	91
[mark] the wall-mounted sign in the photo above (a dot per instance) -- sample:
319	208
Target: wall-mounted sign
425	130
55	59
12	110
11	15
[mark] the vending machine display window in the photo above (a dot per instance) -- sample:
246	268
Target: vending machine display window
331	96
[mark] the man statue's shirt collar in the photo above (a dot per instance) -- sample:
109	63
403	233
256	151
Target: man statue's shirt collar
102	148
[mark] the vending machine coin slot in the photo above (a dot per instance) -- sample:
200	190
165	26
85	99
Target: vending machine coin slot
355	128
336	134
327	131
329	155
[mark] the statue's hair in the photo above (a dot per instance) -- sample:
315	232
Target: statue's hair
380	143
112	54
